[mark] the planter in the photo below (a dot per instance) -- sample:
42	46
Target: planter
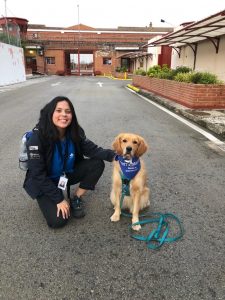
97	73
122	75
198	96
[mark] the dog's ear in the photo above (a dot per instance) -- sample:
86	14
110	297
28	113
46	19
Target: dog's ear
142	147
116	145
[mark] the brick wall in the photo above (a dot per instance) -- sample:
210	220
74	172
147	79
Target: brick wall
86	38
59	61
92	41
40	64
101	68
205	96
60	67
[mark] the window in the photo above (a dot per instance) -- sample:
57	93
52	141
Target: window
50	60
107	61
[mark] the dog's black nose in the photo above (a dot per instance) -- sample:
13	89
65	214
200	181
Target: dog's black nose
129	149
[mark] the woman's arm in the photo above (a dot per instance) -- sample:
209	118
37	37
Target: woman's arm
37	178
90	149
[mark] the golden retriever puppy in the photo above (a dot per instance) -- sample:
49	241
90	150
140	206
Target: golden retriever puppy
129	168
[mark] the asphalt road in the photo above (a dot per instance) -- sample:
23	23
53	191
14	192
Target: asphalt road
93	258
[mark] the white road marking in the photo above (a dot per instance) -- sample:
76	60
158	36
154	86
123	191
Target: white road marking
208	135
55	84
100	83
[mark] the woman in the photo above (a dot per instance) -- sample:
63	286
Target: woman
56	160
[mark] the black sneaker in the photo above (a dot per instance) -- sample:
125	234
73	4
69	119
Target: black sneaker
77	207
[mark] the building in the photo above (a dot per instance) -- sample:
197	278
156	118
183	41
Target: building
148	57
60	50
198	45
80	49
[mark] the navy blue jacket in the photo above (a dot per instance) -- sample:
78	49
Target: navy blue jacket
40	152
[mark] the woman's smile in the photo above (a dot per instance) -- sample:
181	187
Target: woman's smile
62	116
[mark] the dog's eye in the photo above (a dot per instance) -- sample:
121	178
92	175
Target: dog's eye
135	142
124	141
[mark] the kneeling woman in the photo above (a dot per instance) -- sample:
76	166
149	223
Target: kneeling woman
56	151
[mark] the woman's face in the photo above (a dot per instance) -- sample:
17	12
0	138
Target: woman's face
62	116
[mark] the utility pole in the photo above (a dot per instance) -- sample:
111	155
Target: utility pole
78	50
6	23
5	10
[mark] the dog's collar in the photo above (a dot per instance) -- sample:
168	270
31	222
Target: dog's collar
129	168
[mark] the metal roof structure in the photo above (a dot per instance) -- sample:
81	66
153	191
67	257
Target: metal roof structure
210	28
134	54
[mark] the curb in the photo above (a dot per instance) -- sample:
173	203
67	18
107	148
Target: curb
114	78
133	88
29	77
201	117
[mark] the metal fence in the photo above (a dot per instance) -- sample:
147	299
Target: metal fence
10	38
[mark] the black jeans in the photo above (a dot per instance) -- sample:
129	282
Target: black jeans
87	173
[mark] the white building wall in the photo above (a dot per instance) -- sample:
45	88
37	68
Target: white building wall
12	69
210	61
174	59
155	51
207	60
151	60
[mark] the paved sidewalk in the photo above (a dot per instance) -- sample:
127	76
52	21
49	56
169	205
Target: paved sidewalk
34	76
213	119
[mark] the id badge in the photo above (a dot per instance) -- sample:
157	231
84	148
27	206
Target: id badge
62	182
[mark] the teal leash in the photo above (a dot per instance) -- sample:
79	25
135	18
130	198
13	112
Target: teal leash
159	235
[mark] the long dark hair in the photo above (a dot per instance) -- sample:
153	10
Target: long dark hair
47	127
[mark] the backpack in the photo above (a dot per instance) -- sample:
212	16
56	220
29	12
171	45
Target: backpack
23	157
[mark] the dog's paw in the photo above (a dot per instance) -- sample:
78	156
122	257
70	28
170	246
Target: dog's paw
136	227
115	217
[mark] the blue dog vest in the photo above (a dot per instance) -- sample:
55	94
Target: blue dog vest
129	168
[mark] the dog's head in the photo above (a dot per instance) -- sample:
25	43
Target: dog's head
129	145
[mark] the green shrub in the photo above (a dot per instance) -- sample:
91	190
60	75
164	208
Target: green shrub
181	74
182	69
168	74
140	72
153	70
204	78
197	78
183	77
165	68
121	69
163	72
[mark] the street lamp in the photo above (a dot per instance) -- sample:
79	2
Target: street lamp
163	21
78	50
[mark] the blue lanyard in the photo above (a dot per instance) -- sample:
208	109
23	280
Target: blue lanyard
65	156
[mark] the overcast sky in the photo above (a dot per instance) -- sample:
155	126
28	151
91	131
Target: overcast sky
110	14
